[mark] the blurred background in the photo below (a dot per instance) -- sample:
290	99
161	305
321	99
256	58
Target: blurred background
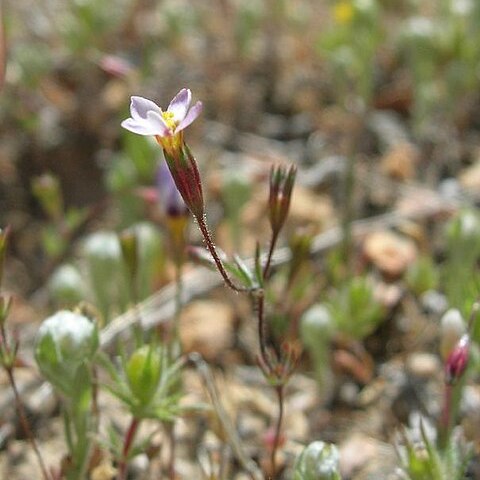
377	102
390	86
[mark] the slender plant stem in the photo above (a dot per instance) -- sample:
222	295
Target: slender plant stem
213	251
127	445
266	268
348	214
278	429
25	425
261	329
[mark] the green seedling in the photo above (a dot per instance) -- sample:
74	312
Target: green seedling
354	309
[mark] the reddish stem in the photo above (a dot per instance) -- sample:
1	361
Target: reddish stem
261	330
276	440
19	404
213	252
266	269
127	445
25	425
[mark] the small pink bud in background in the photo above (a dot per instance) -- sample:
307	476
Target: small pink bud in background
115	65
457	361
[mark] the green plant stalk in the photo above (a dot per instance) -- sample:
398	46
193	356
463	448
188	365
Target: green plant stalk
320	363
77	415
451	405
347	218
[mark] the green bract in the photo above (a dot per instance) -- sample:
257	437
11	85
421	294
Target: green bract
318	461
65	342
143	371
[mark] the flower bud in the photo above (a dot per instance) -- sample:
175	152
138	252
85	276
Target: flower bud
317	326
67	286
143	370
281	186
452	329
457	361
46	189
129	247
318	461
185	174
65	341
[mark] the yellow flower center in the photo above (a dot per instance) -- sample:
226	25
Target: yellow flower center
343	12
169	120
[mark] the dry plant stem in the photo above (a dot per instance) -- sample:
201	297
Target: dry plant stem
213	252
278	429
25	425
127	445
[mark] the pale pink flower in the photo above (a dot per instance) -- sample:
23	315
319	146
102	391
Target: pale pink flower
147	118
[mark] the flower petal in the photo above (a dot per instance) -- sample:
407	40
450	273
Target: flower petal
152	125
139	107
191	116
156	121
137	126
179	105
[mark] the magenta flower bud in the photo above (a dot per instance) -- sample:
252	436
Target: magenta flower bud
457	361
282	180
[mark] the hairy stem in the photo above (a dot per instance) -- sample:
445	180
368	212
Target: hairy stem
213	252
